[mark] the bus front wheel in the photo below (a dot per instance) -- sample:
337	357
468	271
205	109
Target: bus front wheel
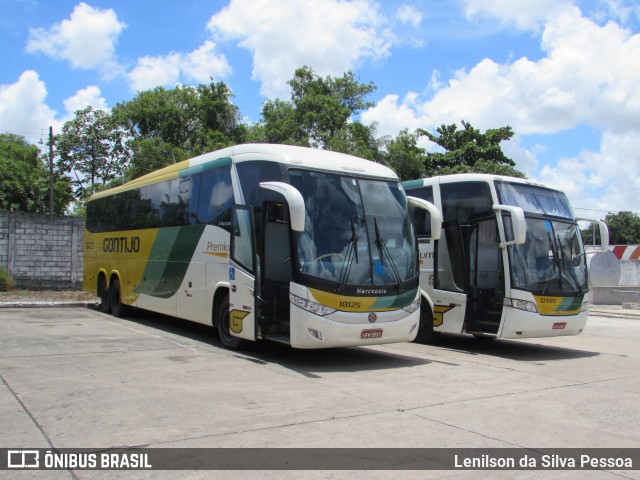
223	324
425	329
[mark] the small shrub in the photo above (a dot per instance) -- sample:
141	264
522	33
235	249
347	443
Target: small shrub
6	281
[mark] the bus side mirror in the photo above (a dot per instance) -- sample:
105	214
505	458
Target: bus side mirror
295	201
434	213
604	232
518	224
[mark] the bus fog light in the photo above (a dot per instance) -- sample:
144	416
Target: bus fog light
520	304
315	333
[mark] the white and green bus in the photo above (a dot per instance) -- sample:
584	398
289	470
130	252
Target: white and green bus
510	262
301	246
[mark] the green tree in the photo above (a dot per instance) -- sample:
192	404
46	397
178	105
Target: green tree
324	106
468	150
24	178
404	155
92	147
168	125
321	113
624	229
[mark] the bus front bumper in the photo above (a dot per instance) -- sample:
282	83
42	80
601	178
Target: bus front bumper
346	329
521	324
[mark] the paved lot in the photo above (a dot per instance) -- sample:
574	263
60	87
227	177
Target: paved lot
75	377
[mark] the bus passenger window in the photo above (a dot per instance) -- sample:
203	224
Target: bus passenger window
216	195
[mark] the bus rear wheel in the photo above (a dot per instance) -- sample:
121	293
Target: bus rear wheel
222	322
103	293
118	309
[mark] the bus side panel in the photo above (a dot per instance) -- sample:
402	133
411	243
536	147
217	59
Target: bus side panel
121	253
208	267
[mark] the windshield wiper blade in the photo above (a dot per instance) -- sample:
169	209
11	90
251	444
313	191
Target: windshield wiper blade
384	252
551	266
352	251
573	274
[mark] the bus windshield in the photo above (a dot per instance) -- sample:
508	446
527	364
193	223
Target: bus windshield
552	260
357	231
535	199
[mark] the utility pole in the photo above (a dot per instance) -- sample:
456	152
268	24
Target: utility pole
50	170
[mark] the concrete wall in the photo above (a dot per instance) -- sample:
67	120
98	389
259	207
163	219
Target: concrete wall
42	251
616	281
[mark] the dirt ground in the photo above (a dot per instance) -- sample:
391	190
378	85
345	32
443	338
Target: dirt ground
46	296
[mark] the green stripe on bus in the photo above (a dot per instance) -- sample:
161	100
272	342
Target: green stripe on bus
396	301
219	162
169	259
412	184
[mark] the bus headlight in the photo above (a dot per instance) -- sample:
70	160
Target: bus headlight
310	306
520	304
585	307
413	306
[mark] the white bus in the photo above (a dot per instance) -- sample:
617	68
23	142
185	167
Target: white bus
510	263
306	247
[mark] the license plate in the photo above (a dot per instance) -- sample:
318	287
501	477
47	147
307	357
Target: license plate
559	326
371	333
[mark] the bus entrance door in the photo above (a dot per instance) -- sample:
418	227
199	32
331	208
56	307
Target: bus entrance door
276	273
242	274
485	275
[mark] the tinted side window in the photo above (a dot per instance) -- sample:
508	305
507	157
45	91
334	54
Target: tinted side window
216	197
461	202
422	218
251	174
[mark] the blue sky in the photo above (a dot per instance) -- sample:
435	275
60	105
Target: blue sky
562	73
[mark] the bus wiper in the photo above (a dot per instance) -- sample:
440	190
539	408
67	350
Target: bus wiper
548	274
564	261
385	253
352	251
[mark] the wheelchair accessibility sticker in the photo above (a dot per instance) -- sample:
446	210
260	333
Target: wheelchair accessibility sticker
232	273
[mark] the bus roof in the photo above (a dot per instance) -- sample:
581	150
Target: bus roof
469	177
296	156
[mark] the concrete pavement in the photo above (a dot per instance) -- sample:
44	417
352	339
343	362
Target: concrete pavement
75	377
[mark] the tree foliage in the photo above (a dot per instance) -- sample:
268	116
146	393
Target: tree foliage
24	179
404	156
164	126
321	113
624	229
469	151
92	148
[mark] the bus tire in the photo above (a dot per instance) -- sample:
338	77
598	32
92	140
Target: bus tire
118	309
222	319
103	293
425	329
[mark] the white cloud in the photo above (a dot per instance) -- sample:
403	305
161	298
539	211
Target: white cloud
586	78
330	36
90	96
523	14
23	108
154	71
407	14
201	65
608	179
86	40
